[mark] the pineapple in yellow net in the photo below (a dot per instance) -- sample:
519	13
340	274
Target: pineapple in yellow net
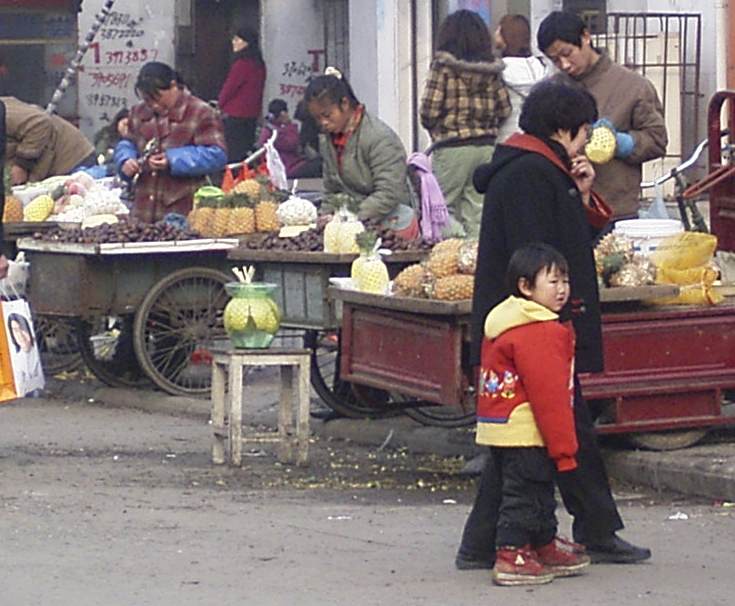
242	216
369	272
266	214
252	187
204	217
600	147
221	218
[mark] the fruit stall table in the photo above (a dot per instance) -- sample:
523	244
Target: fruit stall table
310	317
166	299
666	367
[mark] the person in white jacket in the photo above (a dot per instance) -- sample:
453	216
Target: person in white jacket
522	68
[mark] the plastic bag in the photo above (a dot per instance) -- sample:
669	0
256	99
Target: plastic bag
657	209
686	260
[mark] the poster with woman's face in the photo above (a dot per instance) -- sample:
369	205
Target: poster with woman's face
24	356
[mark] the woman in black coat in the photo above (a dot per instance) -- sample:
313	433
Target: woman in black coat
538	188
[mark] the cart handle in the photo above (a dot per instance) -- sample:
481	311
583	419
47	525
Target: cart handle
686	164
257	153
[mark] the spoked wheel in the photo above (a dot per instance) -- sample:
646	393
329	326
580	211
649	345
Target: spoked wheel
106	347
57	343
178	322
353	401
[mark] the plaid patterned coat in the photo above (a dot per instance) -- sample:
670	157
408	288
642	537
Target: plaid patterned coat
192	136
463	99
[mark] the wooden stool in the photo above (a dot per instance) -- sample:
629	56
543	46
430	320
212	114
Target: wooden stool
293	429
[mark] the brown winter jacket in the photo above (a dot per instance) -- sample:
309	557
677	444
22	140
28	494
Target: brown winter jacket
631	103
43	144
464	99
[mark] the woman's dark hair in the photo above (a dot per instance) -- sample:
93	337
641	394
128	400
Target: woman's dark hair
119	117
530	260
516	33
277	106
330	88
465	35
252	50
154	77
553	105
24	325
560	25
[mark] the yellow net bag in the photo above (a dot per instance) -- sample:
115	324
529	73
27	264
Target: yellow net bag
686	260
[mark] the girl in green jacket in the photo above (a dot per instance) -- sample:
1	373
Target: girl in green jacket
363	157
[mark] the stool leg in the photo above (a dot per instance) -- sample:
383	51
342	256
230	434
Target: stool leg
218	413
235	412
285	415
302	422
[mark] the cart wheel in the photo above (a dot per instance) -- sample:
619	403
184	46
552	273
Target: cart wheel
437	415
57	342
176	325
667	440
352	401
106	347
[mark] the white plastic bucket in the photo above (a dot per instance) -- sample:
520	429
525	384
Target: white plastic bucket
647	234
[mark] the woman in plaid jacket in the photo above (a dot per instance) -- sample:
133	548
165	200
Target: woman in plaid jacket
464	103
174	140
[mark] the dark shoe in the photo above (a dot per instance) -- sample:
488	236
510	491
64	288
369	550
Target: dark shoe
519	566
325	414
562	557
465	562
616	551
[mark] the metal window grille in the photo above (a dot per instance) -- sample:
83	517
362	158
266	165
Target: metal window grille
666	48
337	34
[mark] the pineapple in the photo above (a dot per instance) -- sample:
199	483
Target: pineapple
39	209
341	232
450	245
369	273
601	145
204	216
443	264
221	217
266	217
454	288
410	282
13	210
251	187
241	314
467	257
242	216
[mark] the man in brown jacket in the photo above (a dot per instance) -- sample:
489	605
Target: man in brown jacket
40	145
626	99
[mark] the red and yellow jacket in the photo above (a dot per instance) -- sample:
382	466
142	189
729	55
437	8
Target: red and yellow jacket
526	390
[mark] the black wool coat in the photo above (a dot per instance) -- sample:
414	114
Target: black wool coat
529	199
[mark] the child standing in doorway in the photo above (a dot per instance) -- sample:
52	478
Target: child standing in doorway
525	416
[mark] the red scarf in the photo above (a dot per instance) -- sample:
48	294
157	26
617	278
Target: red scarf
598	212
339	140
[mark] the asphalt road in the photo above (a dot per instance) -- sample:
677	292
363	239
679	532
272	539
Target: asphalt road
111	506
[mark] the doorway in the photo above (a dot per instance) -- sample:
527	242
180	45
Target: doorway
210	49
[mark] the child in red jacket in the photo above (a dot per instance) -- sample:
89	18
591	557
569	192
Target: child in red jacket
524	413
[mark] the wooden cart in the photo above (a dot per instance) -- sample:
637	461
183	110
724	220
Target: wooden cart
143	311
666	368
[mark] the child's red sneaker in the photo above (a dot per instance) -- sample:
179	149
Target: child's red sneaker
563	558
519	566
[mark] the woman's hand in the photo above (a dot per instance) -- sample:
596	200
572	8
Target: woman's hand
583	174
130	167
18	175
158	161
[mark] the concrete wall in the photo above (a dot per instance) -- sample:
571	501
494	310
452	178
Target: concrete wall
137	31
293	47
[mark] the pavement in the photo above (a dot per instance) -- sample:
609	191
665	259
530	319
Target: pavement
704	470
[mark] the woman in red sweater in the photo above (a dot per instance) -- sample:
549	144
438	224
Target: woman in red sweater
241	97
